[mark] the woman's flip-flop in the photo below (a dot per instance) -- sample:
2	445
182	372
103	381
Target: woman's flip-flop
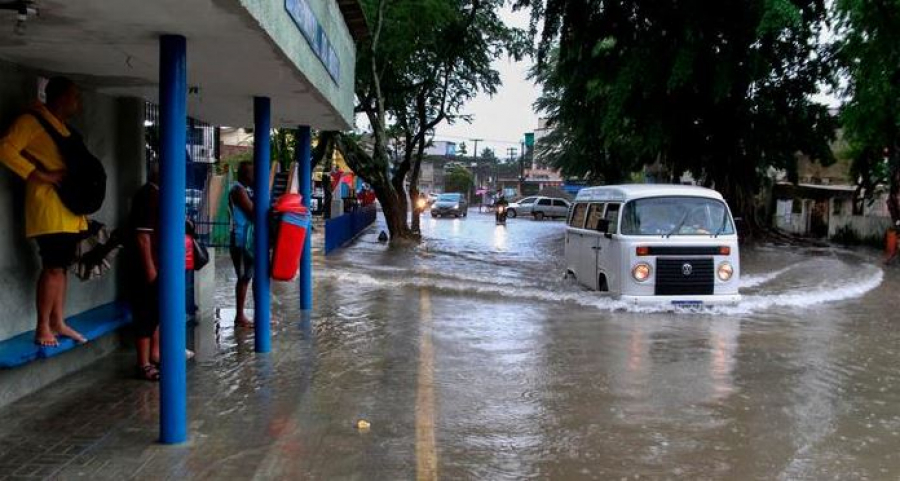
148	372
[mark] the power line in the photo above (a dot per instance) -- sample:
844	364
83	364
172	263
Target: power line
457	137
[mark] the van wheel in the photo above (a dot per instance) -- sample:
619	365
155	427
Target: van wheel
538	216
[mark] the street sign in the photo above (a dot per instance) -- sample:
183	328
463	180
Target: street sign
529	139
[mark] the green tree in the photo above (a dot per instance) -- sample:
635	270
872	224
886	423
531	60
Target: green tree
459	179
488	155
869	53
718	89
424	60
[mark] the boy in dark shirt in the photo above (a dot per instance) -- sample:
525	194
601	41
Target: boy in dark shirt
144	294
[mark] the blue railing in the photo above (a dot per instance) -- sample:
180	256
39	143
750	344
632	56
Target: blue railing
341	230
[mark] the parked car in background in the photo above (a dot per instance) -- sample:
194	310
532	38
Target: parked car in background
550	207
521	207
454	204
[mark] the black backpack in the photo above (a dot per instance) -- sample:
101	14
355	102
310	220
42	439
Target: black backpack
83	188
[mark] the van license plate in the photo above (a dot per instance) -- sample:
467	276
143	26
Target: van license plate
692	304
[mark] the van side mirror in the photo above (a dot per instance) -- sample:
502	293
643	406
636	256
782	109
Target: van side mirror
603	226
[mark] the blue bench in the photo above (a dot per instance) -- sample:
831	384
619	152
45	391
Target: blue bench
92	324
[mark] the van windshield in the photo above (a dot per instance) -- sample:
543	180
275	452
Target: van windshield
676	216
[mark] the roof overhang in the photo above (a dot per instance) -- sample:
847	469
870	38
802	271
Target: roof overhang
236	49
356	19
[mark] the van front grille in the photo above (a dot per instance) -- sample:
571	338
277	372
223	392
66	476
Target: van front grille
676	277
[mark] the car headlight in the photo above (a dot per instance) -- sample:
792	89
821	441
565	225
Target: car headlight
641	272
725	271
456	206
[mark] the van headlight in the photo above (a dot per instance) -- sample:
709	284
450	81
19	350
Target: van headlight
641	272
725	271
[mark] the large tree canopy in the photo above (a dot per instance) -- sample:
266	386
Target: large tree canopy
720	89
424	60
868	48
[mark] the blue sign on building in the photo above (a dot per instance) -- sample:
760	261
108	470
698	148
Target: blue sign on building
302	15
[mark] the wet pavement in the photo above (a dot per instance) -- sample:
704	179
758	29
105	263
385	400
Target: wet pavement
473	358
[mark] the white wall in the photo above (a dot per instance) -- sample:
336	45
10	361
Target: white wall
864	227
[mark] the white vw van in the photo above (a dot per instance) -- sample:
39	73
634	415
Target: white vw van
654	243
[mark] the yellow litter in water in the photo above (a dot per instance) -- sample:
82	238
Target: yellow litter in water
363	425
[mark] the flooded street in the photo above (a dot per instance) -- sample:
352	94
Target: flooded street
472	358
469	356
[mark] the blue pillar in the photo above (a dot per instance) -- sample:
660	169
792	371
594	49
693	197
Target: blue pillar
262	123
172	315
304	166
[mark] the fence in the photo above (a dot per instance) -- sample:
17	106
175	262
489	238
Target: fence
341	230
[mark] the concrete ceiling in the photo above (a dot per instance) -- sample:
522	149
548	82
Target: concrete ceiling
112	46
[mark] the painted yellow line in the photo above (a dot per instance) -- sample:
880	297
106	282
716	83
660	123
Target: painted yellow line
426	449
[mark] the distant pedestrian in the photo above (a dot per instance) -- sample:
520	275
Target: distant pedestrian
893	202
30	151
240	204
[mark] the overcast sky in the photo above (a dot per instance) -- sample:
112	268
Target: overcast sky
501	120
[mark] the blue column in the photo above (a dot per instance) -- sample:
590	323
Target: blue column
262	125
304	166
172	315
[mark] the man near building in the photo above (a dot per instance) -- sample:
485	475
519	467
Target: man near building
29	151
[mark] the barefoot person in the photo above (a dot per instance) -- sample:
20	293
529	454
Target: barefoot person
240	203
29	151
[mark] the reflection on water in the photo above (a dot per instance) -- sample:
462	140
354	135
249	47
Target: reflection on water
475	359
500	238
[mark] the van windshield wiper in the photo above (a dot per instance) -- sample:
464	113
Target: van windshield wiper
679	226
724	224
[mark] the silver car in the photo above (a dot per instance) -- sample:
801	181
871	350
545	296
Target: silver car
450	204
549	207
520	207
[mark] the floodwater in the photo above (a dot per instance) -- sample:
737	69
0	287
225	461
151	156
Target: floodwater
473	358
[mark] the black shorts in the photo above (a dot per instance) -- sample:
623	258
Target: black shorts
58	250
145	308
243	263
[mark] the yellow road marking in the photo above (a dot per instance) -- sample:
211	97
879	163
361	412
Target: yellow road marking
426	449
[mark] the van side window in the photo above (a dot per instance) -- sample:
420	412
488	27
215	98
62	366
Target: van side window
578	214
560	203
612	215
594	215
544	202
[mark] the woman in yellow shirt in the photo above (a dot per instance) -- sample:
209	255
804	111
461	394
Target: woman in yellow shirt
29	151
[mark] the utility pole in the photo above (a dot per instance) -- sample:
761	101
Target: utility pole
475	152
522	171
475	159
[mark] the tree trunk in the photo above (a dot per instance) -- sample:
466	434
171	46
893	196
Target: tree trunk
374	170
414	186
739	187
326	190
